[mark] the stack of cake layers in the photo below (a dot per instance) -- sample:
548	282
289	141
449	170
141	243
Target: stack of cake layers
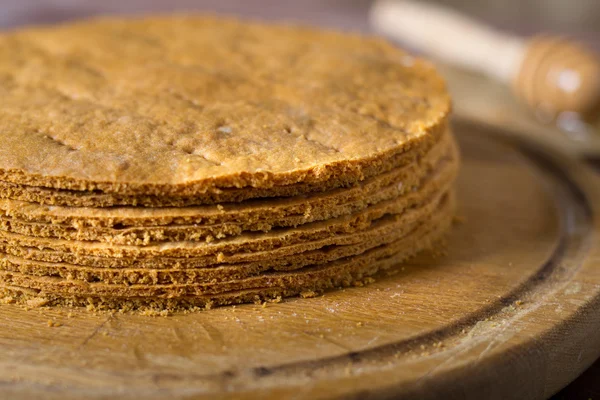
196	161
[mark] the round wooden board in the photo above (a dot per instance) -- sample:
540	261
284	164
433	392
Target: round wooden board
512	311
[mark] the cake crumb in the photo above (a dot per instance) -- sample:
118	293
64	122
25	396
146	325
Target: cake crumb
53	324
37	302
308	294
359	324
151	312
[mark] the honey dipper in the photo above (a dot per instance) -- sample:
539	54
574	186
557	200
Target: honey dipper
550	74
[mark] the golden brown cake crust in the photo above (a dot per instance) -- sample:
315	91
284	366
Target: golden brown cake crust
214	223
189	105
294	256
408	237
343	272
314	206
179	161
143	236
352	228
109	203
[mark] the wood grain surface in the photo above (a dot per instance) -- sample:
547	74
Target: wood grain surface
511	311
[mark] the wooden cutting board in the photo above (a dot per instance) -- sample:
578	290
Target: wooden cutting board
511	311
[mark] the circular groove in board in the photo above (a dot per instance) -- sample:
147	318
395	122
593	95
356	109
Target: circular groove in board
510	311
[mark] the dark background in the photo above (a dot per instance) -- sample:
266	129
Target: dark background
580	18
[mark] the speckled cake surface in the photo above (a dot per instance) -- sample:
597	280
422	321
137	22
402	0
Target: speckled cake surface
174	162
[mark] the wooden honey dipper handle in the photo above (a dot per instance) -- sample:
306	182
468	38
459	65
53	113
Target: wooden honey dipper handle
550	73
558	75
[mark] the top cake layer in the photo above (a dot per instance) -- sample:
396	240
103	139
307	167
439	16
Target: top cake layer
189	105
